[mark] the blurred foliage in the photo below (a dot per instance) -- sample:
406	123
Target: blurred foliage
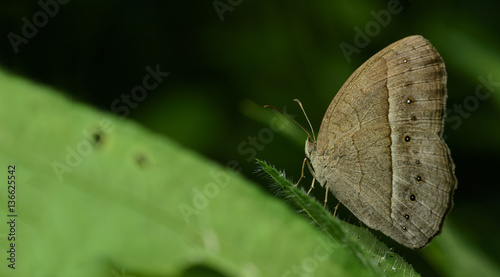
264	52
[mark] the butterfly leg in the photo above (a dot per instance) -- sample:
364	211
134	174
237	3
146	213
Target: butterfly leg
326	197
302	172
312	186
335	210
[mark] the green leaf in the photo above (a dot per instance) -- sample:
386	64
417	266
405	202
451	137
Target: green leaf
98	195
361	244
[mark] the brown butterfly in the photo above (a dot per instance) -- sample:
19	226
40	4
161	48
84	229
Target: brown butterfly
380	149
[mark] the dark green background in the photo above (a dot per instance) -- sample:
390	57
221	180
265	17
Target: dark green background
268	52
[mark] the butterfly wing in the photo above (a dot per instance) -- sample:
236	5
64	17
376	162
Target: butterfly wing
380	148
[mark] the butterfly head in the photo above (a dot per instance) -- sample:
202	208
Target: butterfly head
310	147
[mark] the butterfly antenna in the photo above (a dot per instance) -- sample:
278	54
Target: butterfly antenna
276	109
312	130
